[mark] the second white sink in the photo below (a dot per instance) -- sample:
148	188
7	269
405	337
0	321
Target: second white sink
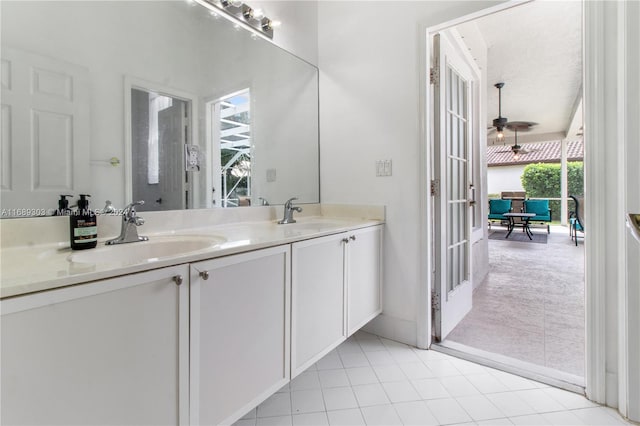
148	251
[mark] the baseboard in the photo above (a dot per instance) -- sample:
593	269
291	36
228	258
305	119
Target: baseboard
392	328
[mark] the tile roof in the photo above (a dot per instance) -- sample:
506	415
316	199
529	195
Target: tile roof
544	152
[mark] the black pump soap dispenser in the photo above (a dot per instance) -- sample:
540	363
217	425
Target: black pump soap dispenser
63	206
83	226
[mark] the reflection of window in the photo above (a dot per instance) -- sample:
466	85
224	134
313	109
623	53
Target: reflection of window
157	103
235	148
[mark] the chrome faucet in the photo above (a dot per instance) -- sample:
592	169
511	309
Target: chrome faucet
288	211
263	201
130	223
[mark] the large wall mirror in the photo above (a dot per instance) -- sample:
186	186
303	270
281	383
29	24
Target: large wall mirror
153	100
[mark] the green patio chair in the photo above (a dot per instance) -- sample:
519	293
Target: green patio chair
541	209
497	208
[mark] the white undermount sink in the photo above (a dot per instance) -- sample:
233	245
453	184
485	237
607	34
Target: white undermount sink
147	251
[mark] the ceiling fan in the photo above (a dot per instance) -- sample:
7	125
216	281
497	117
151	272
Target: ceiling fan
500	122
515	126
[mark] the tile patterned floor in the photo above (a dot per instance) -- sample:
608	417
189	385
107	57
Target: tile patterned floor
372	381
531	305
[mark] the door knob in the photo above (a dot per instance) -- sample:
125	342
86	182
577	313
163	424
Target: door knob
178	279
204	275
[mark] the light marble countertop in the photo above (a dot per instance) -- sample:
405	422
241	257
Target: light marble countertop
38	267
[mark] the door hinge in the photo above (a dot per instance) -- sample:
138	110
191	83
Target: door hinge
434	75
435	187
435	301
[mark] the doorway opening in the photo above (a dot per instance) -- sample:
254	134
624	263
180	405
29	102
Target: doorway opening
526	310
229	119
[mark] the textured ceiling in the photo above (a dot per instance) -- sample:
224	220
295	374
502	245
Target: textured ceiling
536	50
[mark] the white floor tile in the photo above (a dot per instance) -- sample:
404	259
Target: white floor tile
562	418
250	415
539	400
305	381
404	355
307	401
430	389
333	378
361	375
382	415
389	373
339	398
368	395
372	345
458	386
354	360
310	419
427	355
510	404
530	420
512	381
274	421
400	391
278	404
495	422
246	422
350	346
448	411
415	413
597	416
568	399
486	383
330	361
442	368
479	407
416	370
466	367
380	358
352	417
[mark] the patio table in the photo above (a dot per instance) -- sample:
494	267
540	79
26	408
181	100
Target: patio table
524	222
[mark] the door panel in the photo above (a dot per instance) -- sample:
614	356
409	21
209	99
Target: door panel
452	141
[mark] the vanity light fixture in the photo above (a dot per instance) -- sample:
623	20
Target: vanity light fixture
244	14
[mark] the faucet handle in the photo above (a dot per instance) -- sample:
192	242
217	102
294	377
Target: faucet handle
287	204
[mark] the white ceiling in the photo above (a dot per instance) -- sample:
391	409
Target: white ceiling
536	50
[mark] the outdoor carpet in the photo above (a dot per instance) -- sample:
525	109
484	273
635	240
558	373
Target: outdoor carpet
518	235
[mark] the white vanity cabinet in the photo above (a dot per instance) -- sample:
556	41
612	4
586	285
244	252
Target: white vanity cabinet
106	352
335	291
239	333
364	276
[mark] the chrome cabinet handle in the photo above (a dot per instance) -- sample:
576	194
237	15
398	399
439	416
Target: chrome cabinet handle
178	279
204	275
352	238
345	240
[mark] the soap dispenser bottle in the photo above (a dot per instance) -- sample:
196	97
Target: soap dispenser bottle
63	206
83	226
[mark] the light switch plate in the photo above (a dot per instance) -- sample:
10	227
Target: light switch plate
383	168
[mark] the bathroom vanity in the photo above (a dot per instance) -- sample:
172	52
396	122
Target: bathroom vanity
196	338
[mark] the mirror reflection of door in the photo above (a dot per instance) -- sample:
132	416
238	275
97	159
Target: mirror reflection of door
159	127
231	124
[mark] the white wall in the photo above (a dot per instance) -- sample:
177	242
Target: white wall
504	178
369	110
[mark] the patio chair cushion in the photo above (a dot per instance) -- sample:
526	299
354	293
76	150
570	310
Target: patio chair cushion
540	208
499	207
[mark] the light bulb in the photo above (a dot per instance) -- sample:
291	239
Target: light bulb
275	24
258	13
236	3
516	156
500	135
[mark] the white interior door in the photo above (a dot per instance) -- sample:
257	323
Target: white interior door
452	161
45	130
172	140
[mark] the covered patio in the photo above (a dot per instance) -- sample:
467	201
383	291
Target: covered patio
530	307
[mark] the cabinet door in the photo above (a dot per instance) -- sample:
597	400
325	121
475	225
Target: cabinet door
318	299
364	272
239	333
100	353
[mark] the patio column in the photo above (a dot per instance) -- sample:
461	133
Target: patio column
564	184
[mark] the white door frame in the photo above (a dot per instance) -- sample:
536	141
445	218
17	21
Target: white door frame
595	103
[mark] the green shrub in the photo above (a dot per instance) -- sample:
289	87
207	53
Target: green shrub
543	181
